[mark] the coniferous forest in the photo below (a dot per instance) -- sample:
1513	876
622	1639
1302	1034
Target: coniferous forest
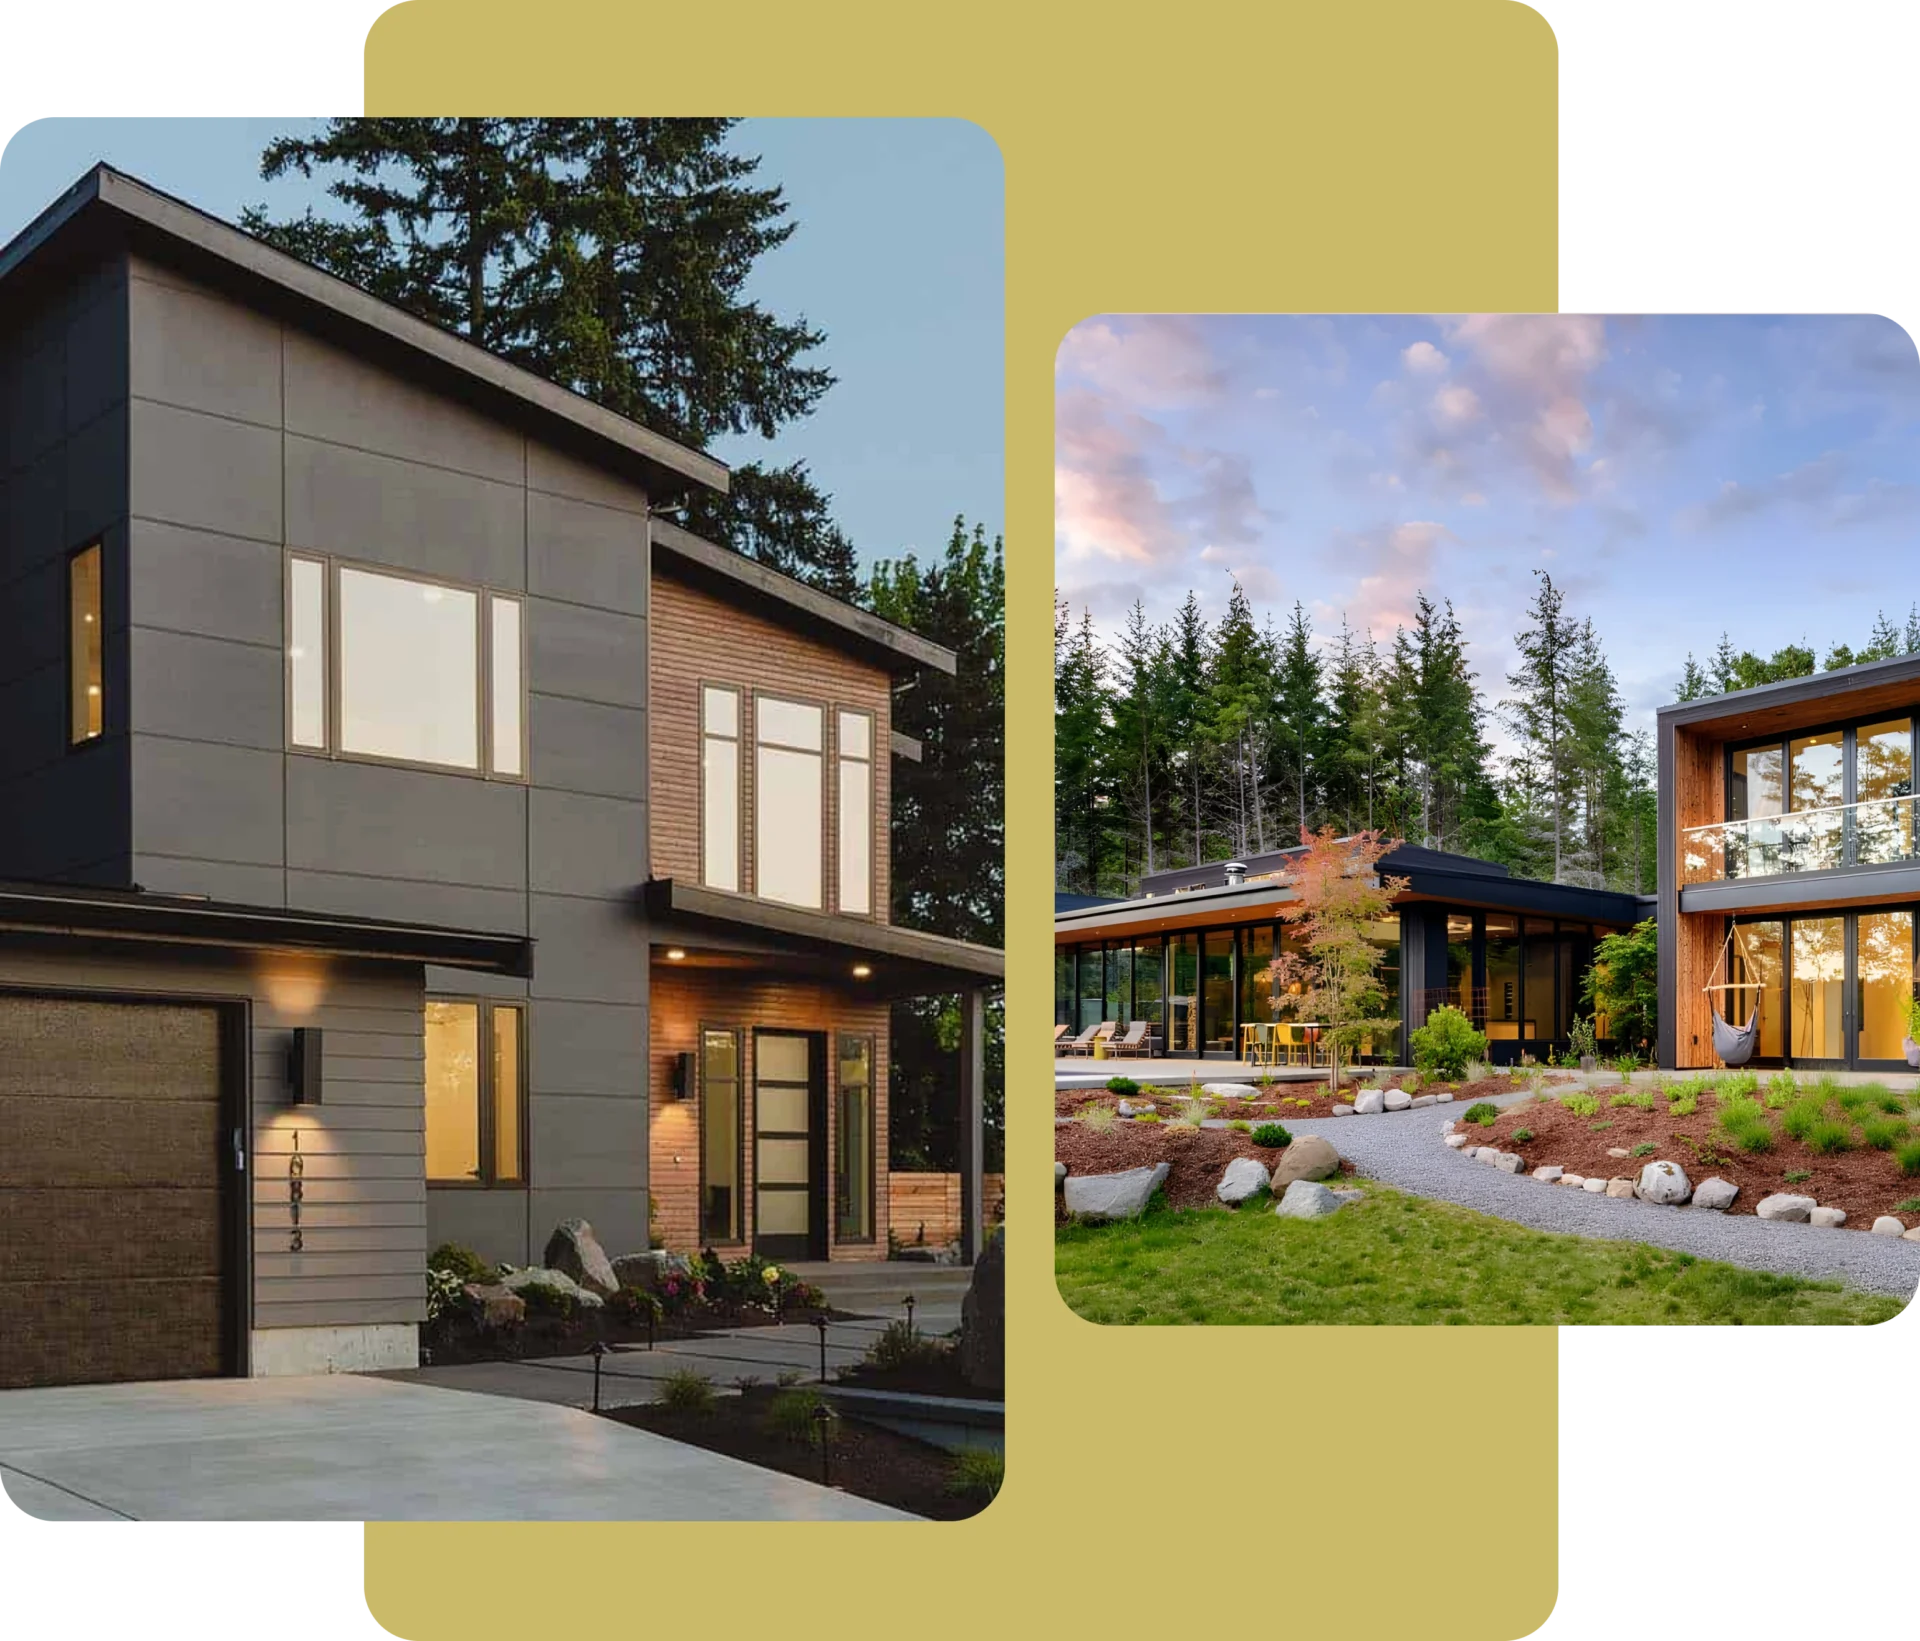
1195	740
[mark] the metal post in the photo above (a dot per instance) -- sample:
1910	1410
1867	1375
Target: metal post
909	1305
822	1418
599	1350
973	1118
820	1322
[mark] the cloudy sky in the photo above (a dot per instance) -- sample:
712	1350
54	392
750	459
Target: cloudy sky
898	257
1676	475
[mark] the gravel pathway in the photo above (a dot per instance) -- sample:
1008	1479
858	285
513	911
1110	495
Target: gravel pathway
1403	1149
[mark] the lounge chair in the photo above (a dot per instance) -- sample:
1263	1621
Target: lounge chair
1058	1033
1135	1041
1083	1044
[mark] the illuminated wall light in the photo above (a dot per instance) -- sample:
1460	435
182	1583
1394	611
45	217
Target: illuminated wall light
862	971
676	955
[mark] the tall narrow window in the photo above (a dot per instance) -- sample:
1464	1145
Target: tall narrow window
787	831
720	1135
853	1143
505	756
307	652
719	787
476	1124
86	715
855	745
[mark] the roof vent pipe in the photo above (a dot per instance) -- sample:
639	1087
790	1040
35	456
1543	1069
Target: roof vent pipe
1236	873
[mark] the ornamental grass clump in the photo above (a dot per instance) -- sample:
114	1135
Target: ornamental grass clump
1884	1133
1682	1103
687	1391
1781	1090
1744	1121
1828	1138
1797	1120
1582	1105
1908	1156
1098	1119
1192	1114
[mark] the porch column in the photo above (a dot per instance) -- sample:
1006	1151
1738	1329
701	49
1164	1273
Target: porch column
973	1119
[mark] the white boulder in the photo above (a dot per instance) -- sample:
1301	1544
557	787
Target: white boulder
1596	1185
1230	1091
1444	1097
1887	1225
1307	1199
1244	1178
1664	1182
1343	1111
1455	1140
1398	1099
1829	1218
1716	1194
1369	1101
1059	1173
1549	1172
1620	1188
1784	1205
1114	1196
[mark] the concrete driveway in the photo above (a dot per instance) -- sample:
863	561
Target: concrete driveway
346	1448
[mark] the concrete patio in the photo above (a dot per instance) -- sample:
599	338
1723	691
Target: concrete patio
351	1448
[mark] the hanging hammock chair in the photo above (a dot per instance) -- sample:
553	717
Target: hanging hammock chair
1734	1044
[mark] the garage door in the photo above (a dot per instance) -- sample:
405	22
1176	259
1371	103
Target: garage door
113	1165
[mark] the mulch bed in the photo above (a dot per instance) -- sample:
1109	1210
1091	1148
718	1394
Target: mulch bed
1196	1157
453	1341
1866	1183
940	1376
1279	1102
867	1461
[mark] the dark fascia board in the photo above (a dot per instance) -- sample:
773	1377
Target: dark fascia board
1856	886
184	920
796	604
937	960
1397	862
671	468
1793	691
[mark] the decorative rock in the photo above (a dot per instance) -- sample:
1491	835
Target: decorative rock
1343	1111
1307	1199
574	1248
1665	1183
1828	1218
1573	1181
1887	1225
1911	1236
1715	1194
1618	1151
1443	1098
981	1353
1059	1173
1398	1099
1244	1178
1127	1108
1114	1196
542	1276
1507	1162
1549	1172
1620	1188
1422	1101
1230	1091
1369	1101
1309	1157
1596	1186
1486	1153
1455	1140
1785	1205
499	1306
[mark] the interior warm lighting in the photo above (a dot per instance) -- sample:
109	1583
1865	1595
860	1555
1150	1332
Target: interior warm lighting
675	955
861	971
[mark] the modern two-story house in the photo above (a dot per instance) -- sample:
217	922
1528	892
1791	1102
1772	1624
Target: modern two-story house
1789	868
407	834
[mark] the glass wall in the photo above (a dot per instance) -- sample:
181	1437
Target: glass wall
1148	961
1183	993
1882	781
1883	962
1816	1003
1502	936
1216	991
1460	987
1822	800
1093	987
1256	974
1759	959
1537	1007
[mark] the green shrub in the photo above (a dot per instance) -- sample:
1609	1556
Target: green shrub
542	1300
1738	1085
1581	1042
1884	1133
1240	1125
1446	1043
790	1416
976	1473
1582	1105
1522	1135
446	1294
1682	1105
1753	1135
1484	1112
1148	1116
464	1263
1122	1085
1627	1064
1798	1120
635	1305
1272	1135
1780	1090
1908	1156
900	1346
1641	1099
1645	1148
1595	1127
687	1391
1797	1176
1828	1138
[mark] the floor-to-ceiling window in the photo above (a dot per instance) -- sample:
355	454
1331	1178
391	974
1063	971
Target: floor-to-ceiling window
1883	792
1758	966
1537	1002
1216	990
1256	973
1093	986
1503	976
1816	1005
1183	993
1148	962
1460	986
1883	966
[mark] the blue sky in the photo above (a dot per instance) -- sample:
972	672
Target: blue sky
1675	475
898	257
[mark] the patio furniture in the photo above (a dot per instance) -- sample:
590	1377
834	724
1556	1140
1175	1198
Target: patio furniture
1259	1040
1734	1044
1135	1041
1084	1043
1058	1033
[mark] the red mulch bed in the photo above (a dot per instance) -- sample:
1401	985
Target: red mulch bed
1279	1102
867	1460
1865	1182
1196	1157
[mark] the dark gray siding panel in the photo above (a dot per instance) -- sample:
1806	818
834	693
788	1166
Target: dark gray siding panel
588	951
198	582
96	478
381	821
197	350
589	1048
592	655
199	801
585	554
209	689
492	1223
449	905
205	472
585	746
579	845
587	1140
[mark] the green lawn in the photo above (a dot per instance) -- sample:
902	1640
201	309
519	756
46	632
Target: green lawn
1394	1258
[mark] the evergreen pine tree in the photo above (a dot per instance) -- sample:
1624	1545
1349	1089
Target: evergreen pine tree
1299	715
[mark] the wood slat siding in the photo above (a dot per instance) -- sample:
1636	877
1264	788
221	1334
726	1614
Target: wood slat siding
365	1203
699	639
926	1207
684	1000
1699	799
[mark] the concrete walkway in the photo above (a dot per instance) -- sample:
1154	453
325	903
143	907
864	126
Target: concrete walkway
350	1448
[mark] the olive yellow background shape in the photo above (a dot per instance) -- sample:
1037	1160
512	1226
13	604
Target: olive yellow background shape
1331	157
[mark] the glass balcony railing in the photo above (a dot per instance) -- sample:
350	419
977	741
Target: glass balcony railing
1808	840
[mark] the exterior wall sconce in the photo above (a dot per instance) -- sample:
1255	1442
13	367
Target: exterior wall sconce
303	1065
676	955
683	1076
862	971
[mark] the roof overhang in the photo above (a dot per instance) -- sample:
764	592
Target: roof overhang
742	580
1857	886
106	206
185	920
1800	703
905	962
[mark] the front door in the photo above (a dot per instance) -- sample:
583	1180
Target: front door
789	1145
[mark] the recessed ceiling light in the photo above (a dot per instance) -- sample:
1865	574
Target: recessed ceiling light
861	971
675	954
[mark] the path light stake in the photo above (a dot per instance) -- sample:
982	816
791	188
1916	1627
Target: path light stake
822	1417
599	1350
820	1322
909	1302
652	1317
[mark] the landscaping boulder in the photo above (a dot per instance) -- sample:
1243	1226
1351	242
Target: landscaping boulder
1128	1109
1309	1157
1307	1199
1369	1101
1595	1185
544	1276
1114	1196
1443	1098
1059	1173
1887	1225
1511	1162
1550	1172
1828	1218
1230	1091
1665	1183
1716	1194
1244	1178
982	1351
1618	1151
574	1248
1422	1101
650	1269
1620	1188
1398	1099
1455	1140
1343	1111
1573	1181
1911	1236
1786	1206
497	1305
